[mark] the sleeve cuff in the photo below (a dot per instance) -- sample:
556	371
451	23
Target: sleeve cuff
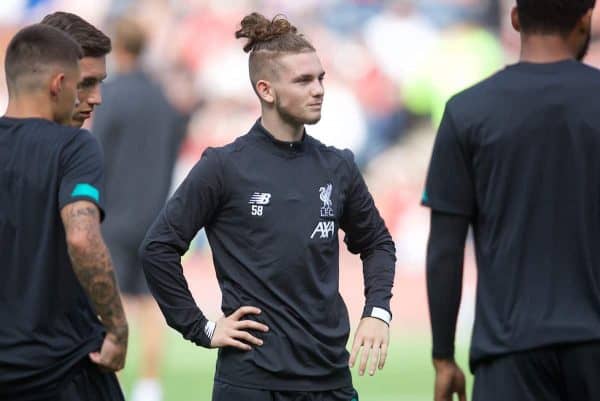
448	354
203	333
446	207
209	329
378	313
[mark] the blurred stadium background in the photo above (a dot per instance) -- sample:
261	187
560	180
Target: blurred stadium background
391	65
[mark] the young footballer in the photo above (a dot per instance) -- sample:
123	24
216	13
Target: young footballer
271	203
95	45
62	328
516	158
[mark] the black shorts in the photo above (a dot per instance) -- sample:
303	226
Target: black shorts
557	373
87	383
227	392
128	269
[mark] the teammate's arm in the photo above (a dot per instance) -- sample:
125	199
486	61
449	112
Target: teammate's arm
191	207
445	256
93	267
450	193
367	235
80	207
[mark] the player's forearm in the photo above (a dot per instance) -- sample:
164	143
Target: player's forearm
378	272
367	235
95	272
445	255
161	261
93	267
379	267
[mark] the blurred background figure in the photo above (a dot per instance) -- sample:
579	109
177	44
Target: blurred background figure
391	65
140	133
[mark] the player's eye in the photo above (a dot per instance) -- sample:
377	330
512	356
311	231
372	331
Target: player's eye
303	80
87	84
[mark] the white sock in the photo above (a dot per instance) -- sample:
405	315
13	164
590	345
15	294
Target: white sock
147	390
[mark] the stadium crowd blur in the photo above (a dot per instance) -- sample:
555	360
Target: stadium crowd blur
391	65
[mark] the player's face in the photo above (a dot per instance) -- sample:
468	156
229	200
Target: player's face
66	94
93	72
66	98
299	88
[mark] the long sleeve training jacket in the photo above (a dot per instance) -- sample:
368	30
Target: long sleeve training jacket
271	211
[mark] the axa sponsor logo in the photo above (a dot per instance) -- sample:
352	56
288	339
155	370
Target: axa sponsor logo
325	229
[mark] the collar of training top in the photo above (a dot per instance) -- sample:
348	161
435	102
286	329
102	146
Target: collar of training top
553	67
290	147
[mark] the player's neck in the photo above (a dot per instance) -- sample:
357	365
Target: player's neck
30	107
280	129
545	49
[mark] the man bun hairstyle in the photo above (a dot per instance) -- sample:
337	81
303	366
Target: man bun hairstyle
267	40
93	42
276	35
551	16
33	51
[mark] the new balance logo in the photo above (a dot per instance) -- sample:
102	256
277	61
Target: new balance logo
324	228
260	198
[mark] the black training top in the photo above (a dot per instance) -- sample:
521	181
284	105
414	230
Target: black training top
272	211
47	323
519	155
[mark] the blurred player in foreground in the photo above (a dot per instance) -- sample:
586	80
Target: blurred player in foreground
516	157
272	203
57	272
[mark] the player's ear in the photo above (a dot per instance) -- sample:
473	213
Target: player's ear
265	92
584	25
514	19
56	84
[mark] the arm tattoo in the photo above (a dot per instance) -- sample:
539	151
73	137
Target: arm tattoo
93	267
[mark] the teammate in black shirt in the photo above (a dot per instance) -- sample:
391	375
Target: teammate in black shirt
272	203
95	46
57	274
516	157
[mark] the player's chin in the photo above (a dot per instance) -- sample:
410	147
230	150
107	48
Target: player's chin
78	120
312	119
76	123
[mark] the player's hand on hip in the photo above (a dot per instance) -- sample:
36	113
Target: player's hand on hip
231	331
373	336
111	356
449	380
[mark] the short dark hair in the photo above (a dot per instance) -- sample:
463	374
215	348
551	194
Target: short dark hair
551	16
34	48
93	42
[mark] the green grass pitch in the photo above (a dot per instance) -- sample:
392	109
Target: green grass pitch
187	371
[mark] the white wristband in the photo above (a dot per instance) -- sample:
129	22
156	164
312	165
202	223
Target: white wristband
382	314
209	329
